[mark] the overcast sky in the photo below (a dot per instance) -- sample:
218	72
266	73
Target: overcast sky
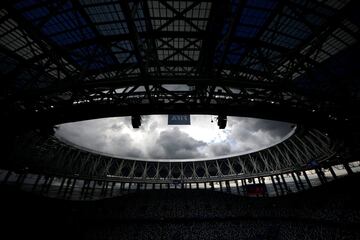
155	139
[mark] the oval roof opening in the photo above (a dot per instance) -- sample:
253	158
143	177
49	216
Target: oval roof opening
155	140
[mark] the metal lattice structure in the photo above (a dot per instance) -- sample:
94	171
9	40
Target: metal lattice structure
69	60
55	157
72	54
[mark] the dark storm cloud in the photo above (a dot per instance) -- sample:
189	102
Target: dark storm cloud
124	146
245	129
249	134
274	128
176	144
219	149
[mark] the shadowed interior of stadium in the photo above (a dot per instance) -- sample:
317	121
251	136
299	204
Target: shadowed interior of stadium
177	119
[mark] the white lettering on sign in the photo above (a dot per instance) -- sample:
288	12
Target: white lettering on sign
179	119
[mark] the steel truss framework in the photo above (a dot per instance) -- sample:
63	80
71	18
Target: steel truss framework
278	184
55	157
56	54
70	60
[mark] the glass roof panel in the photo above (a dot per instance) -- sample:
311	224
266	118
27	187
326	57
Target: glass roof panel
257	17
112	28
159	10
105	13
36	13
246	31
201	11
60	21
74	36
267	4
92	57
12	38
100	33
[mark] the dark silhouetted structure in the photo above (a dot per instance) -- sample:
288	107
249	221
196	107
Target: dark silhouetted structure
287	60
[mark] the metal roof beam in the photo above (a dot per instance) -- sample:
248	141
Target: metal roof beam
136	40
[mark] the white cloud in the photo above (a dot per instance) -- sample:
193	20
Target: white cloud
155	139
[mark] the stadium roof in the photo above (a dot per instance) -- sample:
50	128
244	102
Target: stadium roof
71	60
58	54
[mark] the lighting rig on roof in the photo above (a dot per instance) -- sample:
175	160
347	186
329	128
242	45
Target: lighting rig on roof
222	120
136	121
